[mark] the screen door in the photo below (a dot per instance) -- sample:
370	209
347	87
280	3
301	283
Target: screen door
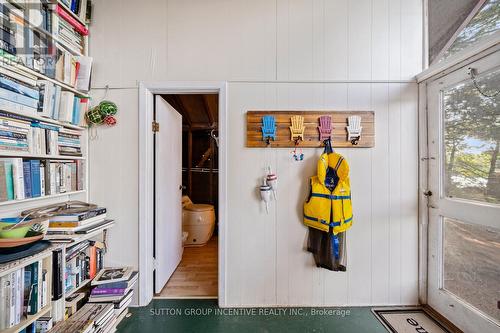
464	197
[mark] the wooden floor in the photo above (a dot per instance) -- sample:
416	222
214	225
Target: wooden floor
196	275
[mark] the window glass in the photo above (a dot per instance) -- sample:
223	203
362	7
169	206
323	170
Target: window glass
472	264
485	23
472	139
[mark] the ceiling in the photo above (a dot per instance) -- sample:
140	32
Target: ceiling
199	111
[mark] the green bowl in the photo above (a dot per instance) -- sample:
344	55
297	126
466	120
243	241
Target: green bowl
14	233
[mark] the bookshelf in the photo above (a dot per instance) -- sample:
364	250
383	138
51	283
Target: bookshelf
29	320
6	270
16	202
49	120
10	66
81	286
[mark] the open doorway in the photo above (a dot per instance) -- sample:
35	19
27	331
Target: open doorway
186	234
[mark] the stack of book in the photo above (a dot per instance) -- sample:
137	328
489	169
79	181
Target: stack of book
70	31
90	318
64	227
15	132
27	84
83	261
115	286
69	143
61	105
24	291
46	38
78	7
12	22
19	89
41	325
32	178
43	139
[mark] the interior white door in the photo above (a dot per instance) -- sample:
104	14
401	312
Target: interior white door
464	203
168	192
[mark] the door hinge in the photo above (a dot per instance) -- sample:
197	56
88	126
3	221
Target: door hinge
155	264
155	126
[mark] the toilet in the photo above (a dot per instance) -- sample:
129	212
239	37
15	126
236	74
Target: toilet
198	221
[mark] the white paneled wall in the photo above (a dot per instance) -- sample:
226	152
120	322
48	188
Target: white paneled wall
267	261
276	55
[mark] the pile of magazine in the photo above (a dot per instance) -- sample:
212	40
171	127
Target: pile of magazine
115	286
65	227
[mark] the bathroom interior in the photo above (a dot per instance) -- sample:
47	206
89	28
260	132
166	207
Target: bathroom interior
197	274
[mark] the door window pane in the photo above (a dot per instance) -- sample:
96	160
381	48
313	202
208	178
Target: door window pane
472	264
472	139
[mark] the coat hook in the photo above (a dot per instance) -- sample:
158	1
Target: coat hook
268	129
297	128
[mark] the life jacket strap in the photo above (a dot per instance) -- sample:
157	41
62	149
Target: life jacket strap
335	245
332	224
331	197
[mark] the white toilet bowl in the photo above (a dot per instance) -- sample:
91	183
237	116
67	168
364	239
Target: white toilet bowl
198	220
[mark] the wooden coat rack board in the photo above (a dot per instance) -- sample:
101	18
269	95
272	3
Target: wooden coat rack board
311	132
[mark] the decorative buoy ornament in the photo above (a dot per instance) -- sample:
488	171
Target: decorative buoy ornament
102	114
110	121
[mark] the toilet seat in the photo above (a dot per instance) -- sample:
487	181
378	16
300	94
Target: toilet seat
199	207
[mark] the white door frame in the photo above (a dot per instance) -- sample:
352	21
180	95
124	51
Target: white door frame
147	90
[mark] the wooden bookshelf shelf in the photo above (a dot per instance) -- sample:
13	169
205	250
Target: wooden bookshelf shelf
42	157
63	85
29	320
74	290
48	120
14	202
11	266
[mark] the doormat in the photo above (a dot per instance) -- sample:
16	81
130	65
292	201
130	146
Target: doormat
408	320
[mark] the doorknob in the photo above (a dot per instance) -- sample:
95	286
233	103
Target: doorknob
182	187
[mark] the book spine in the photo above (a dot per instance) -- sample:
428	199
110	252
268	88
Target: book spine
107	291
80	28
33	304
35	178
43	184
57	278
9	180
12	299
15	107
18	98
19	88
18	178
27	179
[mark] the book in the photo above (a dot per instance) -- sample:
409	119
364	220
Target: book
58	277
9	179
35	178
18	98
79	216
80	28
122	284
19	87
109	275
66	106
74	225
3	183
18	178
27	179
84	74
115	299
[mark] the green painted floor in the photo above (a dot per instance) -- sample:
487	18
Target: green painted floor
205	316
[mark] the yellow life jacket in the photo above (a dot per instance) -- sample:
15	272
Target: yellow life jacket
325	208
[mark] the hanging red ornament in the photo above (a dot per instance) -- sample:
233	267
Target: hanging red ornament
110	120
